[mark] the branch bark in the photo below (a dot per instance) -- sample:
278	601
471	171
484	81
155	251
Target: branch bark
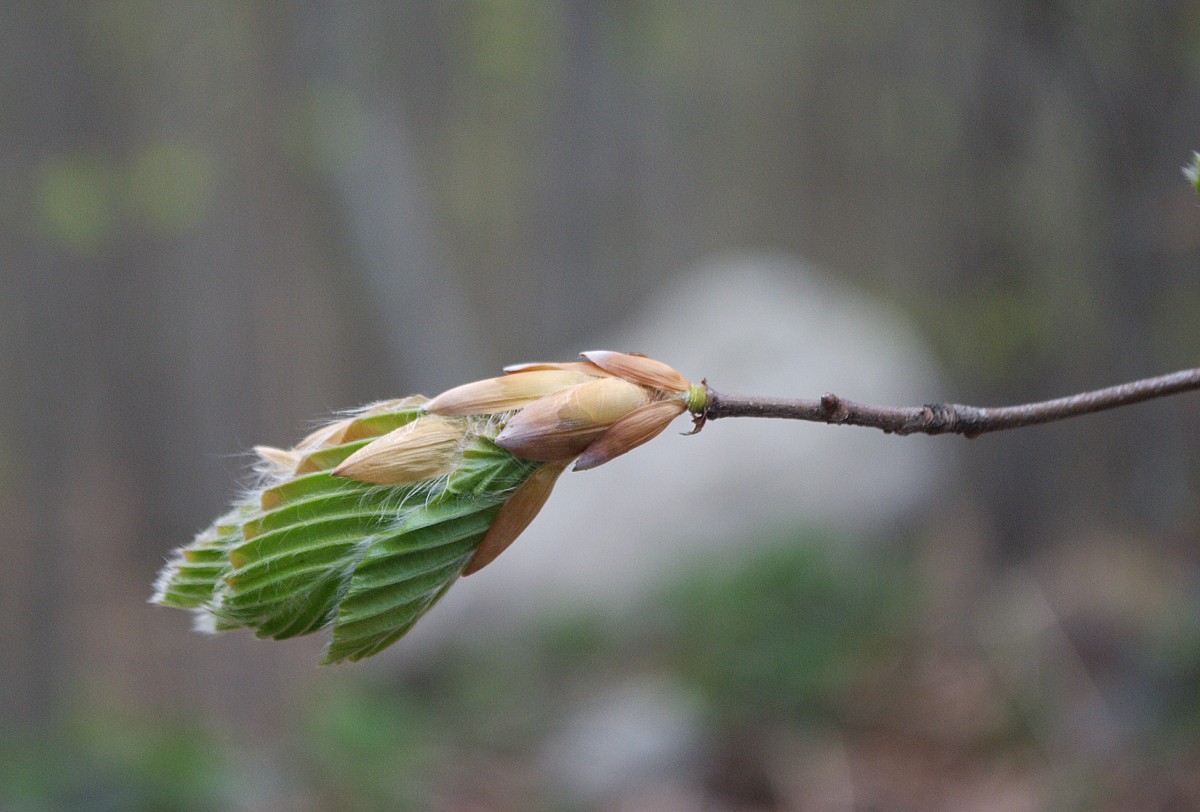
947	418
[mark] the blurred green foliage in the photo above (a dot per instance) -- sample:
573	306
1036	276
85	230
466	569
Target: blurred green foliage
170	184
76	200
84	201
118	760
792	632
810	633
371	749
325	127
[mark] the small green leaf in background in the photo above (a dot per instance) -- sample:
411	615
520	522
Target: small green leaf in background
76	196
170	185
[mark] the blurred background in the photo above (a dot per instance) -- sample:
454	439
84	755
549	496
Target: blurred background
221	221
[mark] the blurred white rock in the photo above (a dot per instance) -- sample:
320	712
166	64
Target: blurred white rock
764	325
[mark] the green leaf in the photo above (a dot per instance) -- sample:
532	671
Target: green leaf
487	467
303	551
403	575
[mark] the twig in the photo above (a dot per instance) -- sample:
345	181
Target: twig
947	418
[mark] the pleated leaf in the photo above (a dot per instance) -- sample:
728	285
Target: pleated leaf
403	574
307	549
365	522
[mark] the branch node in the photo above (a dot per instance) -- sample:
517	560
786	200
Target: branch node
706	404
939	418
835	410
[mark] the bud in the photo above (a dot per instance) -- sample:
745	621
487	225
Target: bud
325	436
564	424
558	427
639	369
639	426
366	522
504	394
423	449
277	458
586	367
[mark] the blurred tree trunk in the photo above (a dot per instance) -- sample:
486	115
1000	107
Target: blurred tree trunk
50	358
414	300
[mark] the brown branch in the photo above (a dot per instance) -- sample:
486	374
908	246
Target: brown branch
947	418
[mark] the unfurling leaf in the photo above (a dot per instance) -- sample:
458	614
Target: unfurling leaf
366	522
